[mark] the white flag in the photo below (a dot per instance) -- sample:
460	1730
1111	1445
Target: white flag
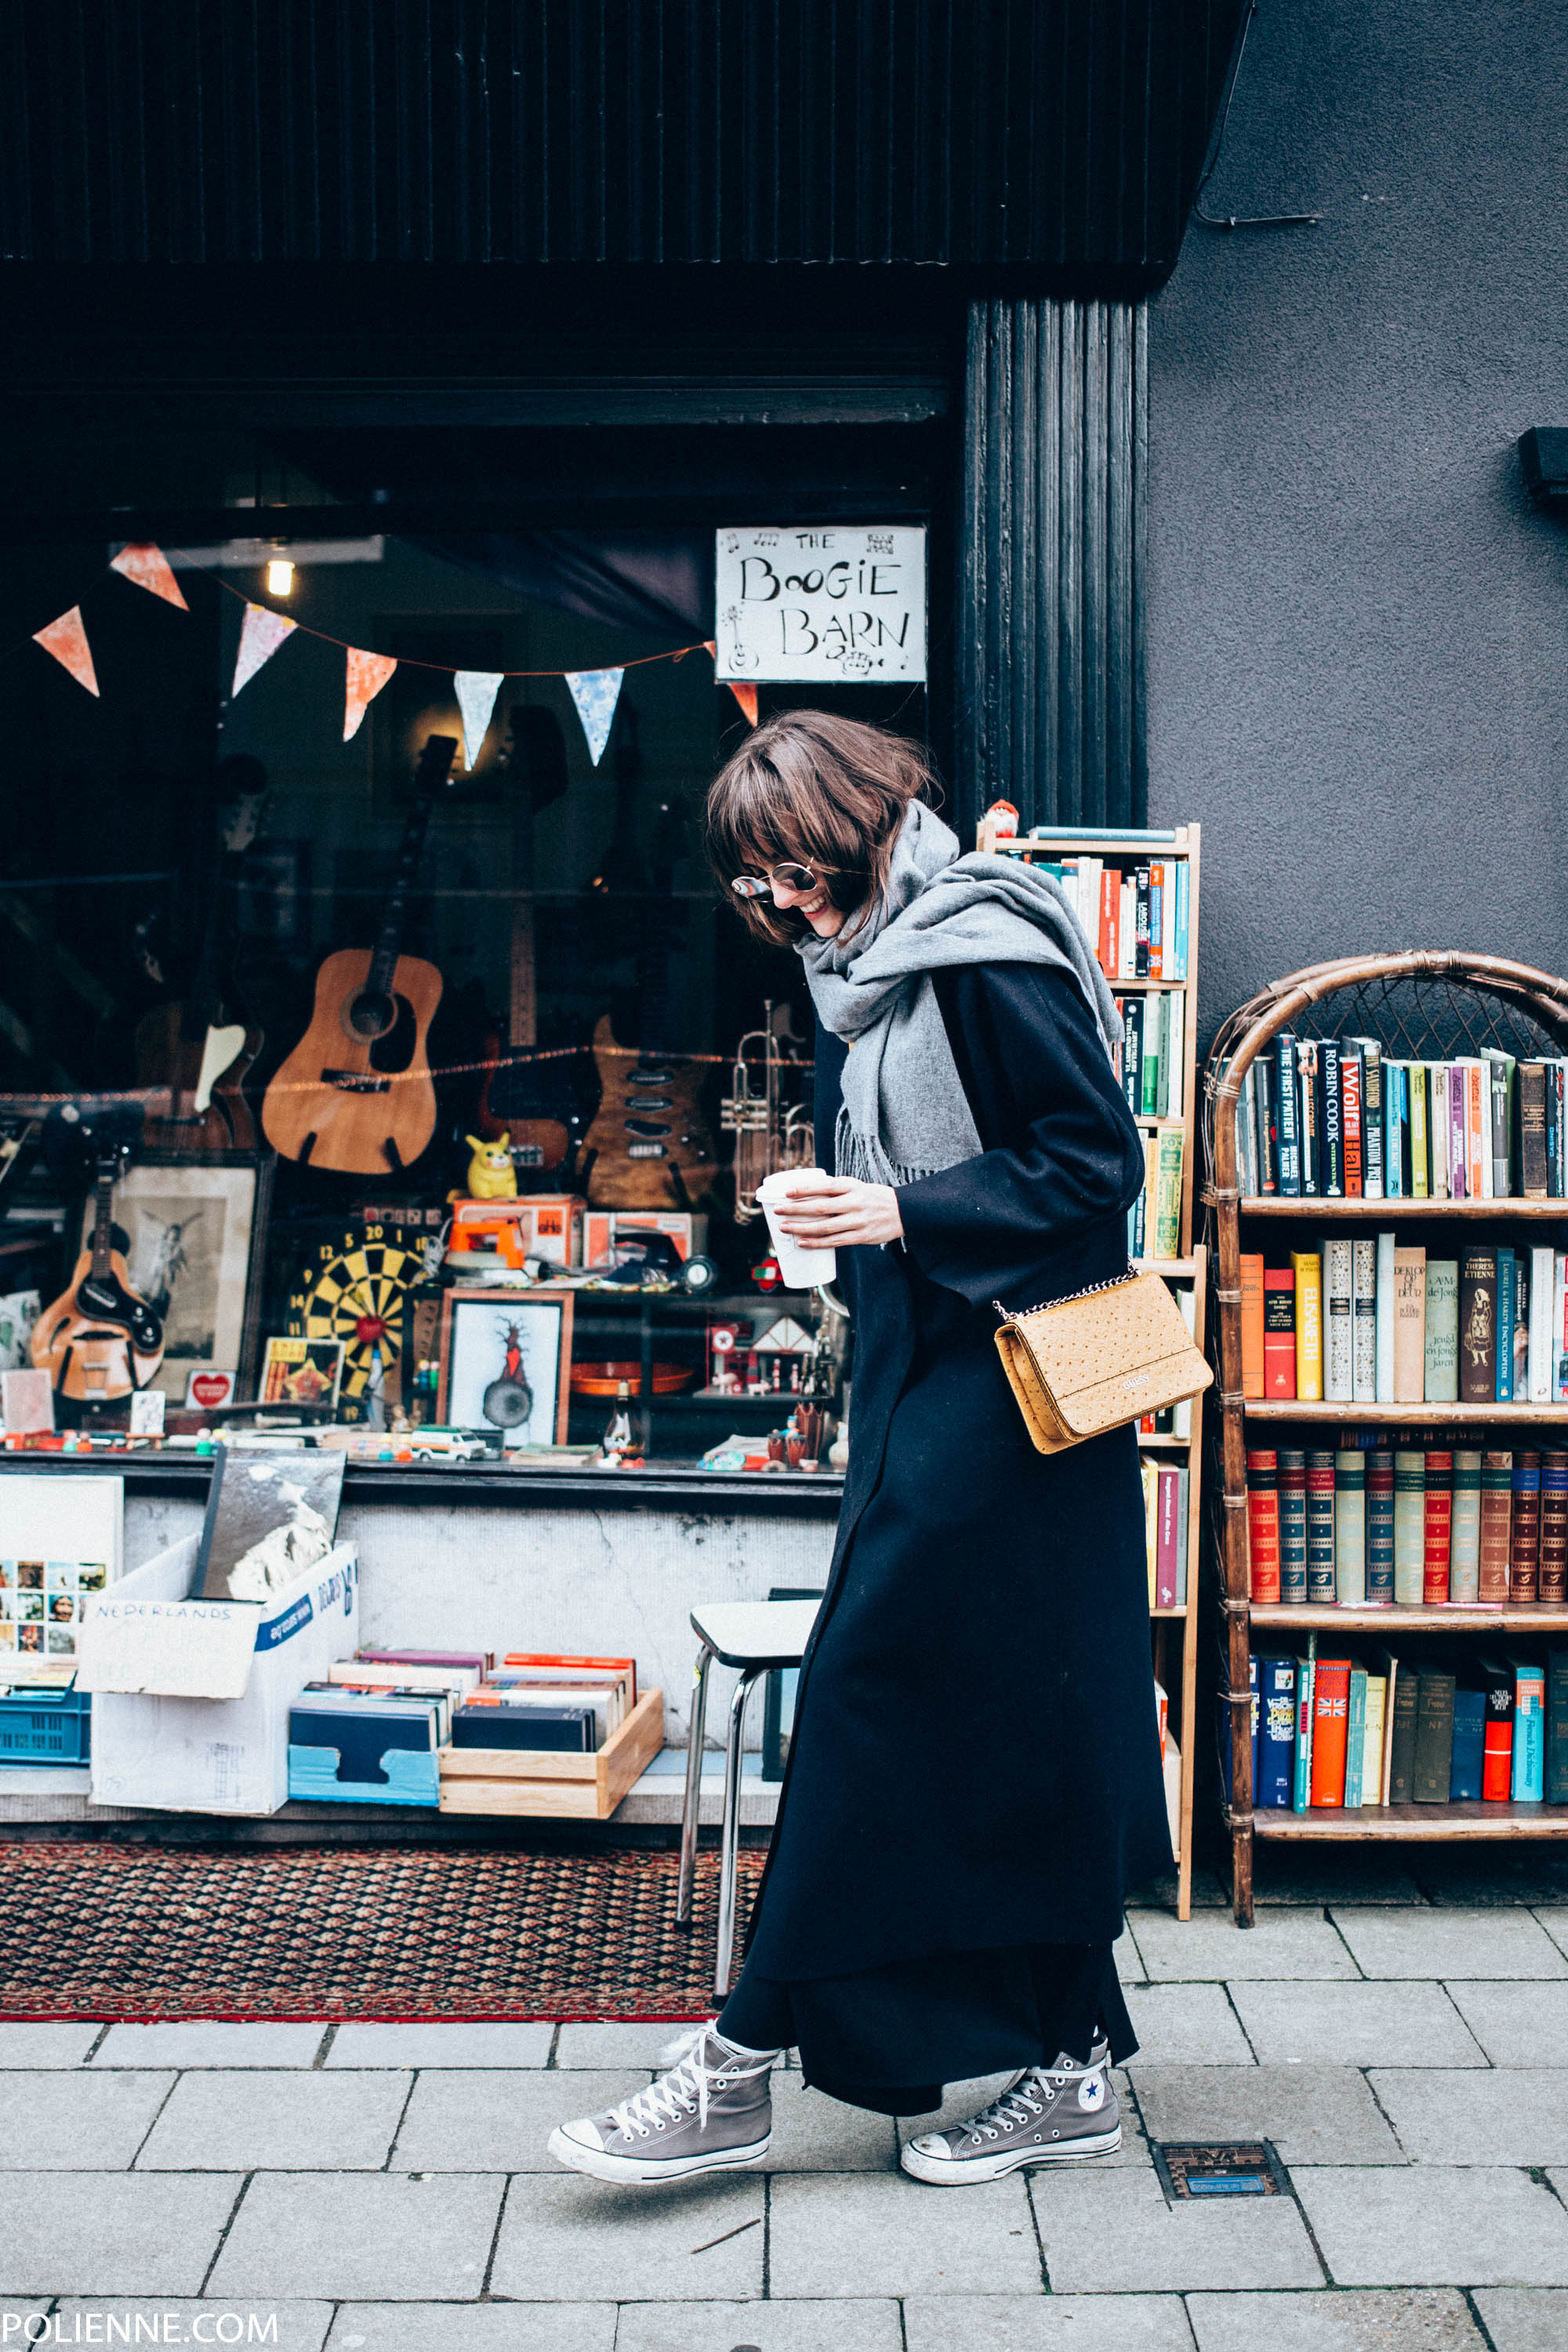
596	693
261	633
477	691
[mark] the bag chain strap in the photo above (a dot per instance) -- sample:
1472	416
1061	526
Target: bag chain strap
1112	1282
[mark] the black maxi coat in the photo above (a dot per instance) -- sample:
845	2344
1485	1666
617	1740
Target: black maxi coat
974	1771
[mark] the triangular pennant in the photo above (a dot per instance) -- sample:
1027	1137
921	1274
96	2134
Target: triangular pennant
596	693
148	566
66	640
477	691
261	633
746	696
368	673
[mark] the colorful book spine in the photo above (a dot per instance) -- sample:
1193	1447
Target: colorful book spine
1533	1129
1355	1737
1496	1761
1292	1526
1439	1527
1434	1737
1507	1299
1477	1333
1465	1544
1301	1777
1379	1527
1351	1074
1277	1311
1168	1195
1529	1785
1409	1326
1497	1530
1331	1122
1553	1581
1557	1727
1416	1077
1307	1267
1524	1551
1339	1347
1466	1772
1384	1316
1274	1779
1252	1387
1409	1527
1330	1725
1373	1132
1263	1522
1442	1370
1287	1116
1321	1589
1373	1740
1363	1337
1350	1527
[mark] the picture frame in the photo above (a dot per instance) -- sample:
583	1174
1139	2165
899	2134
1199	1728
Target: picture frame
481	1326
197	1235
301	1371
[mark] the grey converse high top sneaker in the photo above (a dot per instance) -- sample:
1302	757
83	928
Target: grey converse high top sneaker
1047	2115
711	2111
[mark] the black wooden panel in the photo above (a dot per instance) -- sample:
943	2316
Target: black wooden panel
1050	627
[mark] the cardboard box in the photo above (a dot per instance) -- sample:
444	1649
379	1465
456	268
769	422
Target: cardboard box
602	1228
550	1224
191	1698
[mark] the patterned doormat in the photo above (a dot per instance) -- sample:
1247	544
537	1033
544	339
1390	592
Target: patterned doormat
417	1933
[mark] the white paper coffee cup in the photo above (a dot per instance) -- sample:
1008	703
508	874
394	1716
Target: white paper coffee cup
801	1268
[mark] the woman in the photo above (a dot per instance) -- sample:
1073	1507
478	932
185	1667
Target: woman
975	1776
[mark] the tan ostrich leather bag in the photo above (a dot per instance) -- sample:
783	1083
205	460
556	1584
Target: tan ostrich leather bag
1086	1364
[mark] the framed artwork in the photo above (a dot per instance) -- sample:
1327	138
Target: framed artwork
196	1231
301	1372
506	1361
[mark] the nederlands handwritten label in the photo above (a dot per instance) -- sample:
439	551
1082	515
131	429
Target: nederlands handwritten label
845	603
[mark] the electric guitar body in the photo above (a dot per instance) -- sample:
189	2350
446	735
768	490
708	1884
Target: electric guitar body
650	1142
357	1095
99	1340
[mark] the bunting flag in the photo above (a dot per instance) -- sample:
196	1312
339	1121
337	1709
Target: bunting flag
475	690
367	673
596	693
261	633
148	566
746	696
66	640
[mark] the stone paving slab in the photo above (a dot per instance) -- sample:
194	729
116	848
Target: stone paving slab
1047	2323
865	2234
461	2044
1314	2115
565	2239
105	2233
489	2120
74	2123
1186	2025
1354	2025
1525	2318
1450	1943
1115	2232
45	2045
203	2041
1286	1942
1430	2225
612	2044
1445	2116
862	2325
475	2328
373	2236
813	2133
1516	2025
281	2122
300	2327
1430	2319
1553	1918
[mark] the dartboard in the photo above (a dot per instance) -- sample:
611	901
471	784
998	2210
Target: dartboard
352	1288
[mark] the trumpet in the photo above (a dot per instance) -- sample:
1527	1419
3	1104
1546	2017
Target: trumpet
770	1134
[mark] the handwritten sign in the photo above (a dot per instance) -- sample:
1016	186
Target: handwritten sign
843	602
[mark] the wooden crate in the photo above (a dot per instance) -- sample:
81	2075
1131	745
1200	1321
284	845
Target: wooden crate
542	1782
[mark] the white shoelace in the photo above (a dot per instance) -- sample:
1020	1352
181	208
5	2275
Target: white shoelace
1013	2106
677	2094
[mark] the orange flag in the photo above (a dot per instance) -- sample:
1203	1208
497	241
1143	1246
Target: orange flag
746	696
368	673
148	566
66	640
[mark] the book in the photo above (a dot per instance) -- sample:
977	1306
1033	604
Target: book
1373	1741
1478	1129
1350	1527
1416	1080
1532	1130
1263	1522
1497	1528
1320	1528
1401	1746
1168	1195
1557	1727
1278	1332
1383	1320
1524	1548
1553	1580
1149	1477
562	1729
1507	1295
1437	1129
1351	1076
1275	1772
1262	1076
1148	1103
1465	1529
1339	1352
1364	1328
1373	1133
1529	1782
1438	1525
1500	1073
1184	1502
1292	1524
1559	1342
1395	1132
1247	1139
1478	1326
1442	1377
1331	1119
1409	1326
1307	1119
1356	1737
1541	1283
1331	1723
1141	933
1386	1667
552	1666
1379	1526
1434	1737
1497	1759
1132	1009
1307	1267
1469	1745
1521	1326
1409	1527
1301	1772
1252	1325
1287	1115
1168	1542
270	1518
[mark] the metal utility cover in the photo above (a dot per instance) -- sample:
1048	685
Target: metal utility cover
1237	2168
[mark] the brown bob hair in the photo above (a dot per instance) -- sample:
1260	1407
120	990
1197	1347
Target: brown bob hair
830	792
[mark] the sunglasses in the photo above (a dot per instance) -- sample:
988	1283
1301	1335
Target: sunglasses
757	885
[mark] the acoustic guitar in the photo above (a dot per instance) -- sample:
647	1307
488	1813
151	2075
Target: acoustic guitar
532	1105
99	1340
193	1046
356	1094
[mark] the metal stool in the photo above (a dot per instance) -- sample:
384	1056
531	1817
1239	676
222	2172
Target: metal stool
751	1636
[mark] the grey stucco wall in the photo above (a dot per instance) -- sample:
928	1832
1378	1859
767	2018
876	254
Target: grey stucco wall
1358	647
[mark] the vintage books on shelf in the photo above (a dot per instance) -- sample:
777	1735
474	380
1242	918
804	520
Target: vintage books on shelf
1393	1400
1136	899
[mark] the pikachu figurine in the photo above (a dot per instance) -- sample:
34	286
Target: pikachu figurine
491	1176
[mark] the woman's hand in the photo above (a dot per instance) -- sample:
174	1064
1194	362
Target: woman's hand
839	1213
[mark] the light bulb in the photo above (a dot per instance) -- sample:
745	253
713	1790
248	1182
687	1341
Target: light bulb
279	576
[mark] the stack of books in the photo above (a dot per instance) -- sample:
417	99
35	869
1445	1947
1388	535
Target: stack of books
1372	1320
1166	1489
1334	1118
1348	1731
1151	1060
543	1700
1361	1525
372	1731
1135	917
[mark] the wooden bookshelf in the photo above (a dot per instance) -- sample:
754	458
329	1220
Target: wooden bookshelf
1471	997
1174	1651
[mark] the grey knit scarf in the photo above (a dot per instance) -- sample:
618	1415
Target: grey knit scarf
905	1113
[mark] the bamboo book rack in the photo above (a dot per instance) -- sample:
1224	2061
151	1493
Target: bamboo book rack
1422	1006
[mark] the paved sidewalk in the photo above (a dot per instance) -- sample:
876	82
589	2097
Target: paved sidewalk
383	2188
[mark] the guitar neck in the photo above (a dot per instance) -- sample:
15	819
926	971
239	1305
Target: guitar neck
103	1220
435	765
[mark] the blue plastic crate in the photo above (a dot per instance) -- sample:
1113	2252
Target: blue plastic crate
412	1779
40	1727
